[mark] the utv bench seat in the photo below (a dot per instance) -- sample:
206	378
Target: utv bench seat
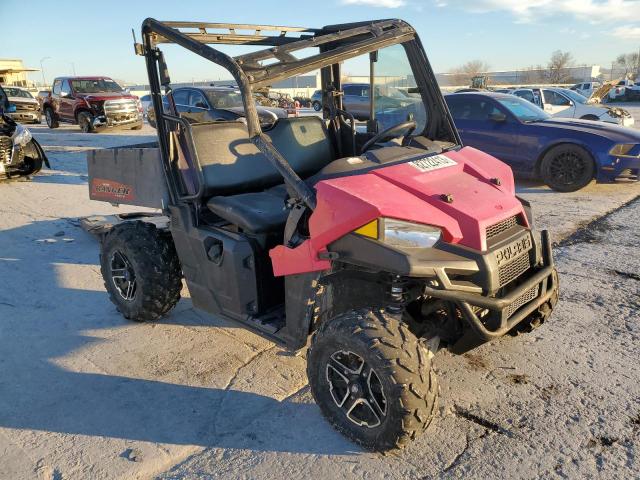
259	212
235	171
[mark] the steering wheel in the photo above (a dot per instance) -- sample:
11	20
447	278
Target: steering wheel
390	133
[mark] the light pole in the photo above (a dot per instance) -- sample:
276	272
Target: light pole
44	81
73	66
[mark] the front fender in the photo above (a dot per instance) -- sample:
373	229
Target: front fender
38	148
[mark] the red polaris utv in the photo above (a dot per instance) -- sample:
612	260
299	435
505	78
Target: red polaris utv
379	242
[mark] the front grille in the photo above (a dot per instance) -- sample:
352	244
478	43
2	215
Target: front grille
122	109
502	226
523	299
5	150
27	107
512	270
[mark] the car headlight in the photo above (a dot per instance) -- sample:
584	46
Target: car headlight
622	149
21	136
401	234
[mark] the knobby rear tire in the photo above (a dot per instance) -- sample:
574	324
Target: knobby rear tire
154	260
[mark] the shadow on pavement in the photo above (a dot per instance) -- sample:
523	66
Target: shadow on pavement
42	320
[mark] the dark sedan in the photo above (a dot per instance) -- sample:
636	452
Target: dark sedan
207	104
565	153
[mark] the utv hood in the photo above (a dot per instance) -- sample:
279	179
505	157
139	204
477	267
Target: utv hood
461	192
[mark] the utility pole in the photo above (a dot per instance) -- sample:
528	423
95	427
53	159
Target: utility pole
44	81
611	71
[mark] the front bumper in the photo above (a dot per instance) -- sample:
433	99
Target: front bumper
621	121
618	166
502	314
102	121
25	116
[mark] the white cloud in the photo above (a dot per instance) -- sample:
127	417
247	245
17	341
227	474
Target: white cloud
594	11
376	3
627	32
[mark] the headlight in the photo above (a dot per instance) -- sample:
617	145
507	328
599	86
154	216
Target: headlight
622	149
400	234
21	136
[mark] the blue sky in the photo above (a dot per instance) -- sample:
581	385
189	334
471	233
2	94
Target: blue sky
506	34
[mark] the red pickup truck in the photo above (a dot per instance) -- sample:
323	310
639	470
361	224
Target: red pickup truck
93	103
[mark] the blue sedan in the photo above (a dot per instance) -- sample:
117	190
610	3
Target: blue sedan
565	153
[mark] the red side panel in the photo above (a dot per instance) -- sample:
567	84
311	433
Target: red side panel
408	193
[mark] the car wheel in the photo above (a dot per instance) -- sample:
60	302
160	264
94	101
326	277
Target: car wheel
567	168
85	122
372	379
141	270
317	106
589	117
31	166
52	122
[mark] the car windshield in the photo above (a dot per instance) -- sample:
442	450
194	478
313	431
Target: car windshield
224	99
17	92
576	97
523	110
99	85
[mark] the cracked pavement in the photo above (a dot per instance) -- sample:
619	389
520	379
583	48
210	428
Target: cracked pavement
85	394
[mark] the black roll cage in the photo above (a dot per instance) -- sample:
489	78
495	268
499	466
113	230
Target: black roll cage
337	43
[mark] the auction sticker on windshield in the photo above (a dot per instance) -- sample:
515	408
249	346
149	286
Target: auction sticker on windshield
434	162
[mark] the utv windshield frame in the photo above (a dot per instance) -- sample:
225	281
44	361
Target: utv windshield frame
336	43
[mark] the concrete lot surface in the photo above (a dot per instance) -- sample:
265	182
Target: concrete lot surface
84	394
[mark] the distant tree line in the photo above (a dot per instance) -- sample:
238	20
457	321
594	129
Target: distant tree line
557	70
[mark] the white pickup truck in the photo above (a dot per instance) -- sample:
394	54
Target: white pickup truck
625	90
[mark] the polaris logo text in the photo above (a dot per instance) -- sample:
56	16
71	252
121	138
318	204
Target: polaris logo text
513	250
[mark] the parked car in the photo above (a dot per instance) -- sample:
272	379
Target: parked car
586	89
565	103
356	99
27	108
145	101
206	104
625	90
316	100
566	154
93	103
20	153
41	96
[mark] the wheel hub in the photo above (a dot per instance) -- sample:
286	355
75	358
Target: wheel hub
356	389
123	276
567	167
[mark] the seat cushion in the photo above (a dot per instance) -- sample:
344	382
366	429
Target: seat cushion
253	212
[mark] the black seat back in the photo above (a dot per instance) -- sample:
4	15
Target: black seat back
232	164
